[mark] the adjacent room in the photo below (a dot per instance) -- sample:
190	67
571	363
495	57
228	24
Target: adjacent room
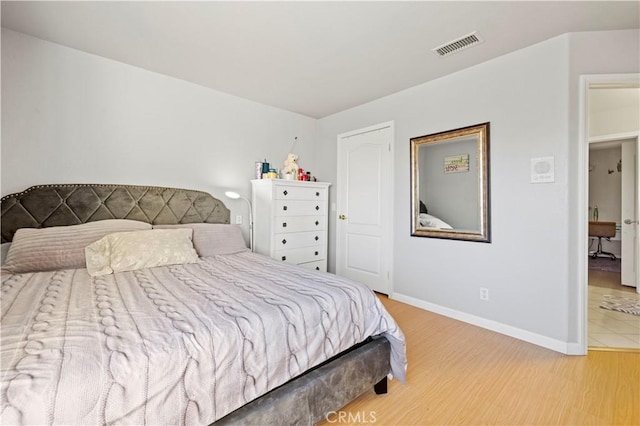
613	117
342	212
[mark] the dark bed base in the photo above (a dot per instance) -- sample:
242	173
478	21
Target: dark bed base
308	399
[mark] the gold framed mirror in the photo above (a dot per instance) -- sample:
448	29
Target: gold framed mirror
450	184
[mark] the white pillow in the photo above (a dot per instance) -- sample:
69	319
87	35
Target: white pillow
128	251
429	221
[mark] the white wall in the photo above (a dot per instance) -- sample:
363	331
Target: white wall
72	117
529	97
605	192
605	184
613	111
524	97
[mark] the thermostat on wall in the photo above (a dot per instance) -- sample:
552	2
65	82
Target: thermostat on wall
542	170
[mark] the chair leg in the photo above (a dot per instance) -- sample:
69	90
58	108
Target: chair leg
599	251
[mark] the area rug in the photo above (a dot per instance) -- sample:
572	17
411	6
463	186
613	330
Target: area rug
604	264
621	304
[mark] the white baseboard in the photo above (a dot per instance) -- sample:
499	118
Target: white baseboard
575	349
518	333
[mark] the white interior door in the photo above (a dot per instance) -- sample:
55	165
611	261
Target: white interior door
629	210
364	207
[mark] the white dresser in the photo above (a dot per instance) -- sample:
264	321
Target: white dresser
290	221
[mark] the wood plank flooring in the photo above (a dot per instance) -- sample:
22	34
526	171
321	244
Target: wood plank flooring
460	374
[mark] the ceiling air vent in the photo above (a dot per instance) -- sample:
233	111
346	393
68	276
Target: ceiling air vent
457	45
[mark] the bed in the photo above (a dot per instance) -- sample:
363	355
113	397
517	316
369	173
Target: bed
429	221
227	337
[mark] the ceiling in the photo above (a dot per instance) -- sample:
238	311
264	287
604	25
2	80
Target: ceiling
312	58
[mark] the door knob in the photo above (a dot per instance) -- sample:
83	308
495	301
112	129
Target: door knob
342	217
629	221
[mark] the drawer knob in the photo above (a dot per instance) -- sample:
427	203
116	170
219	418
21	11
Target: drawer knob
317	223
317	253
284	224
284	241
284	207
284	258
317	268
317	207
317	238
285	192
317	194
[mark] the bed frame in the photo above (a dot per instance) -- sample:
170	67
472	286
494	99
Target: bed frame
69	204
306	399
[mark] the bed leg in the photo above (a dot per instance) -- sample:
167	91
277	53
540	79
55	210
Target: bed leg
380	388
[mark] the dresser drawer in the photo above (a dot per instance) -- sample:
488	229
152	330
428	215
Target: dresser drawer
285	208
300	224
320	265
301	255
284	192
299	239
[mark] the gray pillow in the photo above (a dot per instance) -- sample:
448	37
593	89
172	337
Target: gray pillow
60	247
211	239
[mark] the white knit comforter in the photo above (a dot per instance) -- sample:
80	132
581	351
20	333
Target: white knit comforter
182	344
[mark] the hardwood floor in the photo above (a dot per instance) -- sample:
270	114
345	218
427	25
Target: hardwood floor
460	374
609	280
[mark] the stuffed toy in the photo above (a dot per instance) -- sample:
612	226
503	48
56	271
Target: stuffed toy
291	164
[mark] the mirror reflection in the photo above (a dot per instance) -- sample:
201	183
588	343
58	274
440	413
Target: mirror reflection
449	172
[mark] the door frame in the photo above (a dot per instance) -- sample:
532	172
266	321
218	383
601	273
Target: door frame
389	205
582	345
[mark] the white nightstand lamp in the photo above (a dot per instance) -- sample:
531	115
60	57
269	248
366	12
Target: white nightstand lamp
235	196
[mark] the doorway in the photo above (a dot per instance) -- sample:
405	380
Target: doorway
611	143
365	206
613	256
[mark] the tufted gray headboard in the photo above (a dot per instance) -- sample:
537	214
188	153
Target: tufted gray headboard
72	204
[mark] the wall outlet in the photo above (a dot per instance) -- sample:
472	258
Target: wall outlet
238	220
484	293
